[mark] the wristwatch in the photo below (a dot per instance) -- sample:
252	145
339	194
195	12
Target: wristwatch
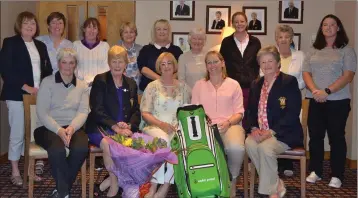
328	91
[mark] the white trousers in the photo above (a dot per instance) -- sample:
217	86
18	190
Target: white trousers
161	176
234	140
17	129
264	157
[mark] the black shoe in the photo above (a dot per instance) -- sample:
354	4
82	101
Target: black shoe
55	194
98	164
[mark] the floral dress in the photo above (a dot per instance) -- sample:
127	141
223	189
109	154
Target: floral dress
163	106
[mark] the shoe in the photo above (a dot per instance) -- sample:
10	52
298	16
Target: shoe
98	164
288	173
335	182
16	180
313	178
283	190
55	194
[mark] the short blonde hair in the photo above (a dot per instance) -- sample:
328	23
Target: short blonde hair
117	52
66	52
164	22
284	28
131	26
221	58
168	55
269	50
197	31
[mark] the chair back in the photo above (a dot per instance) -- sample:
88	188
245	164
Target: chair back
304	117
30	118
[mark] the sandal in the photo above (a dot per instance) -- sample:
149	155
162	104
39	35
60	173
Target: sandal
39	167
97	191
16	180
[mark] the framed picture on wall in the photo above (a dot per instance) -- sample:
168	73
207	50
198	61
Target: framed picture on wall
181	39
217	17
257	17
182	10
296	42
290	11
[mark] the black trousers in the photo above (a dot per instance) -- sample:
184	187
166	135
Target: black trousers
63	169
330	116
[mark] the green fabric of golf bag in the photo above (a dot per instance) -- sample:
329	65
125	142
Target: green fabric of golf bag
202	170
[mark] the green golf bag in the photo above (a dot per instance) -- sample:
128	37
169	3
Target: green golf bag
201	170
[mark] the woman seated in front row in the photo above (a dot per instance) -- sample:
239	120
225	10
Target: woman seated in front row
273	120
114	108
62	109
222	100
158	106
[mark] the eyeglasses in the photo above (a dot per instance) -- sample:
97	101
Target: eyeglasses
213	62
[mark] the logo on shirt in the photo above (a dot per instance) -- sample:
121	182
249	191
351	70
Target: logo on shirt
282	102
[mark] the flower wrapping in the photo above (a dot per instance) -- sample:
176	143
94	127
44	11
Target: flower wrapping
134	168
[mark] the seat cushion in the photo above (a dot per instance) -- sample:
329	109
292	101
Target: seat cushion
95	149
295	152
37	151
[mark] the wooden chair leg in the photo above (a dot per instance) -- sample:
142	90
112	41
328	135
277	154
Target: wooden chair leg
26	171
31	177
91	175
252	180
246	172
303	176
83	179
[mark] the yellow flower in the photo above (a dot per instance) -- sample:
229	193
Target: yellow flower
128	142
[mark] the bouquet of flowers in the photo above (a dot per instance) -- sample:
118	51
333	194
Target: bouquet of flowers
135	159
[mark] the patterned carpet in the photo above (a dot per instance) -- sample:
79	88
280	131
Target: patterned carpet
321	189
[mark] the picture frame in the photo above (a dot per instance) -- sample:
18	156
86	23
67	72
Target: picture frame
182	10
217	17
180	39
297	41
291	11
257	19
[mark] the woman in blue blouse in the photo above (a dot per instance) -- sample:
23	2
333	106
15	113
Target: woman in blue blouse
114	107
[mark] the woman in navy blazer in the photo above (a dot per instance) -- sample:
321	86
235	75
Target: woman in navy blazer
114	108
273	120
24	63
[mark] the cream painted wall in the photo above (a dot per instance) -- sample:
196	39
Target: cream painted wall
9	11
149	11
345	11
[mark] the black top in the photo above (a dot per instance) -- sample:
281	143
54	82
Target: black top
243	69
16	66
148	56
256	26
104	103
184	12
218	25
293	14
283	109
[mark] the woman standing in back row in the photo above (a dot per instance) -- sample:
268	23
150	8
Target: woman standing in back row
328	70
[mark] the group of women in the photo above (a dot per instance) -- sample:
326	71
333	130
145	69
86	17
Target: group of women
226	83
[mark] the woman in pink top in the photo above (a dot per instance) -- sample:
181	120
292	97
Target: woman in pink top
222	99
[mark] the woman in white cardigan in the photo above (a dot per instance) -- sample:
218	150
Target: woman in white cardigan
92	52
291	63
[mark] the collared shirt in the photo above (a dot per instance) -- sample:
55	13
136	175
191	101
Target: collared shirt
241	45
160	47
90	45
52	51
219	104
58	79
262	110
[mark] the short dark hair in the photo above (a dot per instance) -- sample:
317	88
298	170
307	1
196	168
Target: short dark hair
23	16
218	12
56	15
94	22
341	38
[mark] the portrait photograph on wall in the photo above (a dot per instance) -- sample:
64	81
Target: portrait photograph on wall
181	39
291	11
182	10
257	19
296	42
217	17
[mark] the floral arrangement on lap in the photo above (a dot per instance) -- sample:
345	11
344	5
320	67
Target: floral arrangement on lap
135	159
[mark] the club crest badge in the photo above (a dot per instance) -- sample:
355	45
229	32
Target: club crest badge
282	102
